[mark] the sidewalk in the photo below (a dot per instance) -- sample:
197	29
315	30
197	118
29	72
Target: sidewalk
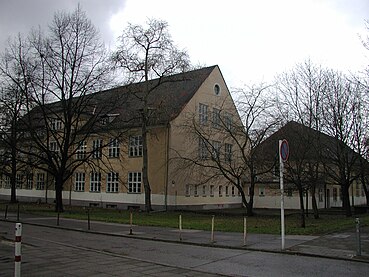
337	245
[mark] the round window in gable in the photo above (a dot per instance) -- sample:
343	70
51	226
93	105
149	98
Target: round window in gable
216	89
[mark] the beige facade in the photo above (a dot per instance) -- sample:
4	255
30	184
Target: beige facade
114	179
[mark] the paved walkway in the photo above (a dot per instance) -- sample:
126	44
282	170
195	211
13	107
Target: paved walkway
337	245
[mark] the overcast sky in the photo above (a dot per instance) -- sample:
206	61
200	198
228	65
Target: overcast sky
251	40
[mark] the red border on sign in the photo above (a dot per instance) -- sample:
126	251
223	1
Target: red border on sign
284	143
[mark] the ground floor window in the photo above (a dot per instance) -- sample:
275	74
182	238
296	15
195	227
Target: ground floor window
261	191
95	182
40	181
29	181
233	190
204	190
134	182
79	184
211	190
112	183
321	196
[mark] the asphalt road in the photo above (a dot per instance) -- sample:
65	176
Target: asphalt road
55	252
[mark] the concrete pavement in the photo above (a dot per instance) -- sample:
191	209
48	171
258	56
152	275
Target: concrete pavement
337	245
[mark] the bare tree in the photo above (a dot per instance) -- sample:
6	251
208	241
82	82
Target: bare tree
227	144
145	53
300	99
13	69
68	63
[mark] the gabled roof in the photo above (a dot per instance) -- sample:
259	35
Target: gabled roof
167	98
304	143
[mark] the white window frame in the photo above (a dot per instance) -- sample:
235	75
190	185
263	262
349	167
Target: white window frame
203	114
188	190
204	190
40	181
228	152
211	190
95	181
97	148
196	191
81	150
135	182
135	146
29	181
18	180
261	191
228	120
220	191
54	147
79	181
56	124
226	190
112	182
203	150
233	191
114	148
216	121
215	147
7	182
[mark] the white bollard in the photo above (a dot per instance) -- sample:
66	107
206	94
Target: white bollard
18	245
180	227
212	228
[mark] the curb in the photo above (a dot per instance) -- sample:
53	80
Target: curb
360	259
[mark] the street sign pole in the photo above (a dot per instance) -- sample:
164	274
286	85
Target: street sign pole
283	156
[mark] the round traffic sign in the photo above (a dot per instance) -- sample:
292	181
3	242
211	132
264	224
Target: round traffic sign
284	150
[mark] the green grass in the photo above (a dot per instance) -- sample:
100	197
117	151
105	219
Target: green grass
266	223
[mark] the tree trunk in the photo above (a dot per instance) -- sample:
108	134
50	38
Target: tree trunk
313	202
145	163
59	195
13	177
302	210
346	200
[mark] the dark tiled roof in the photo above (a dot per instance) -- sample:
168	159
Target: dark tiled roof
304	143
167	97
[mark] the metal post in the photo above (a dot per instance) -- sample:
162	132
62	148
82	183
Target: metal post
282	196
358	237
130	222
244	231
18	245
6	212
57	221
88	219
180	227
212	228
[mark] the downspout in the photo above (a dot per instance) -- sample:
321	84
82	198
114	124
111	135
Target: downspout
167	168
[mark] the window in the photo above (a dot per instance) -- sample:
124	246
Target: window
79	183
56	124
134	182
95	182
203	151
215	149
320	193
227	190
29	181
81	150
261	191
203	190
54	147
233	191
216	118
211	190
18	181
216	89
40	181
357	189
196	191
335	194
114	148
203	114
135	146
7	182
228	152
97	148
112	183
228	120
220	191
188	190
289	192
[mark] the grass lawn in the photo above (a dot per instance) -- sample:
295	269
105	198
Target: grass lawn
266	223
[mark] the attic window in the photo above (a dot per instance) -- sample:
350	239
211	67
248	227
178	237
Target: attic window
108	118
216	89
